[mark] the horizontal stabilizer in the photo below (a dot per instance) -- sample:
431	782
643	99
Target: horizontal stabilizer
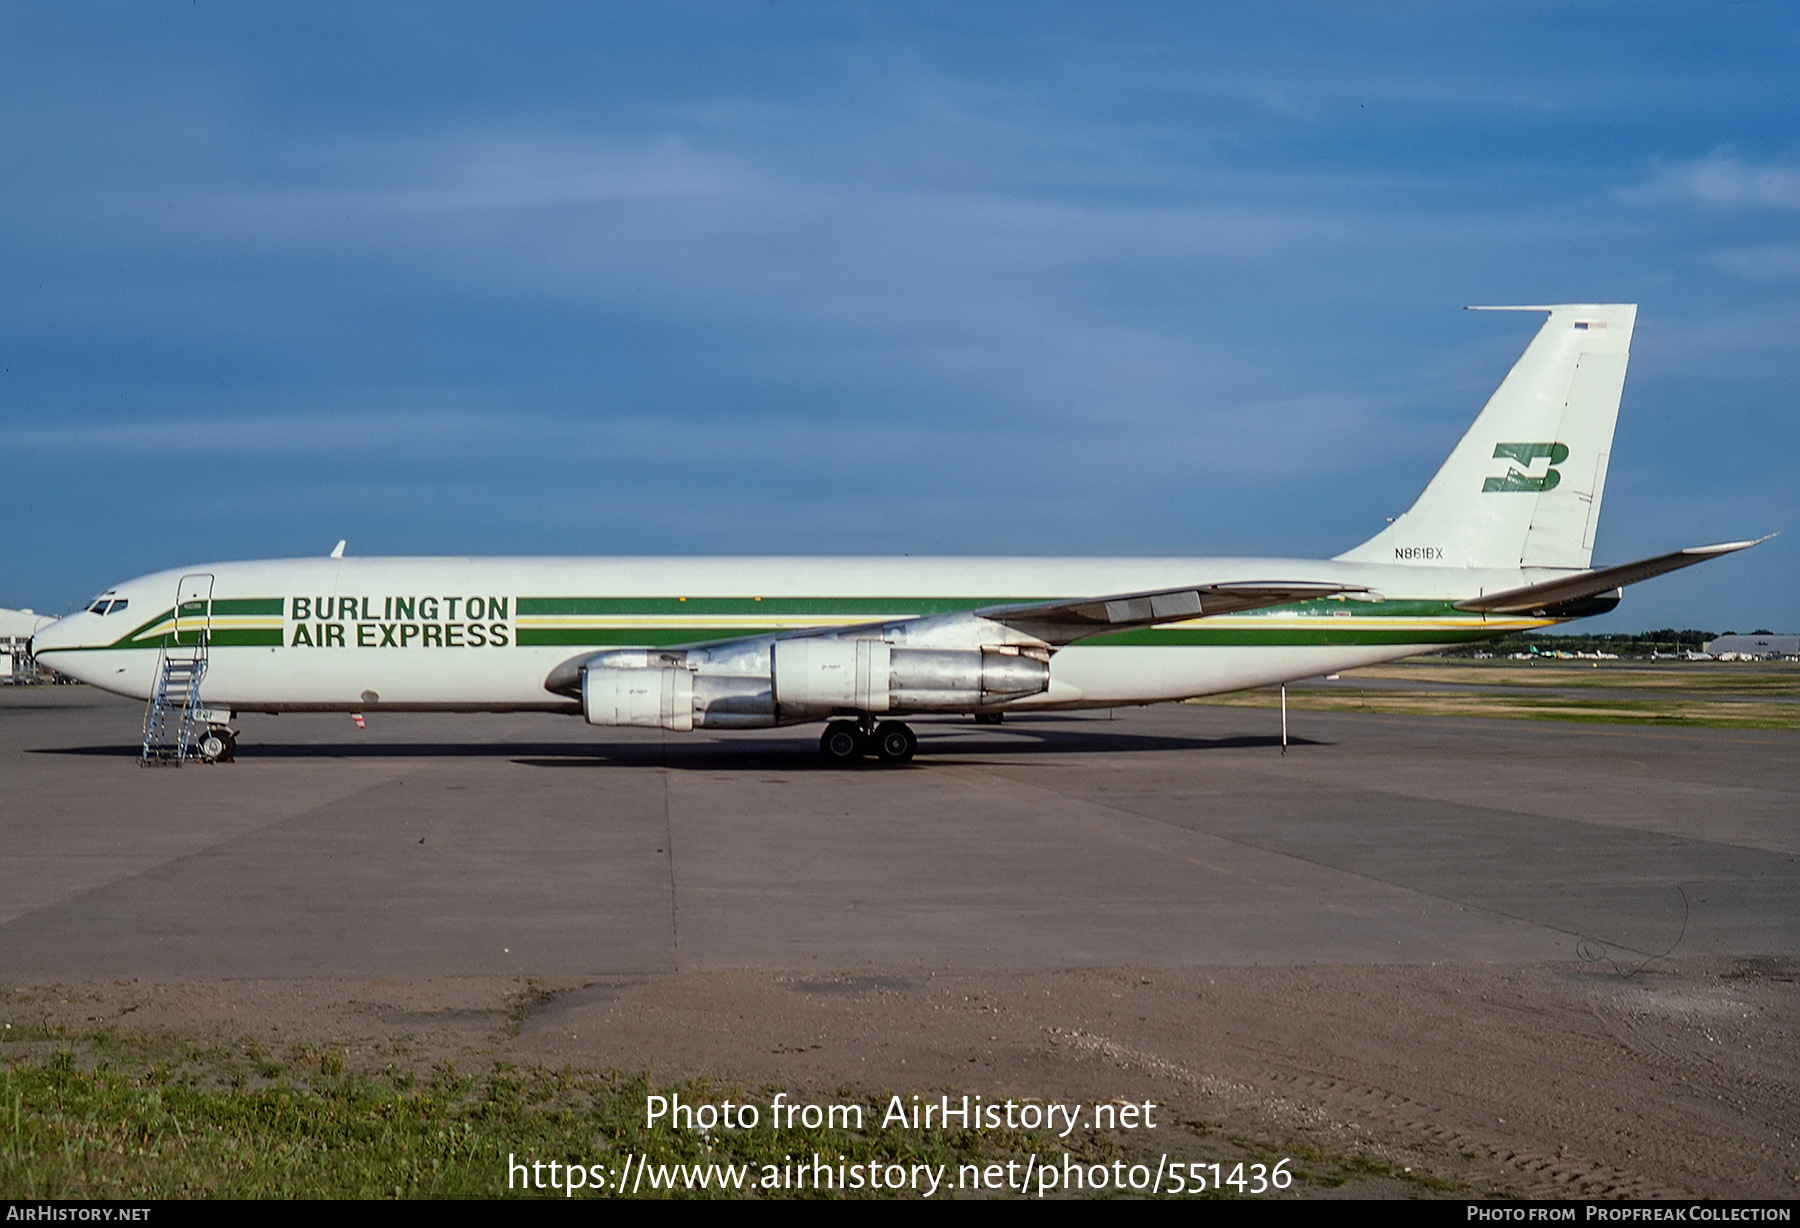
1064	622
1536	598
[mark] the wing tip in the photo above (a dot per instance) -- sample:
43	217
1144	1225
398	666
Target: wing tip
1730	547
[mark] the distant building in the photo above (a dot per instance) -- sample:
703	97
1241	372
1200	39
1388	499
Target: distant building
1755	645
16	627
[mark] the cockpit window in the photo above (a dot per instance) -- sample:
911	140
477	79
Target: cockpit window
116	606
105	604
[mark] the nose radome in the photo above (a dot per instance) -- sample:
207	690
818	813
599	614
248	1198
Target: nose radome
44	637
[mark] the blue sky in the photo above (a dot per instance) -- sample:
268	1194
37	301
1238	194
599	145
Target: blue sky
837	278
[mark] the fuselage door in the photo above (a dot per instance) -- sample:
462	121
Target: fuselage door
193	611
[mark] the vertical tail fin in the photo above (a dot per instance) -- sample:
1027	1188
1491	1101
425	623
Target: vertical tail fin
1523	487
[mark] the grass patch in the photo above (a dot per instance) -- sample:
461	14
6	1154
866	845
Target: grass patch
1333	1171
101	1115
1716	714
1769	678
1320	1169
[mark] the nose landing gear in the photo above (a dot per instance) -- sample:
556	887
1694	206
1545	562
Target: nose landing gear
217	745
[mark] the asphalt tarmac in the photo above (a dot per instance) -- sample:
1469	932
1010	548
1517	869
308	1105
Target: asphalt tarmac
1175	836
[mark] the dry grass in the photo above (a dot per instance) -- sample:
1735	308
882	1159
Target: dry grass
1625	693
1763	678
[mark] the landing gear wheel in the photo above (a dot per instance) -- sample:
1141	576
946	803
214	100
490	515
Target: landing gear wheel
841	742
895	742
989	718
216	746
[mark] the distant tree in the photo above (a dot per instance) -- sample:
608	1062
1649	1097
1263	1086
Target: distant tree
1762	631
1640	644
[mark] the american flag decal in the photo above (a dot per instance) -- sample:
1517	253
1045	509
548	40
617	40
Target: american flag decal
1590	324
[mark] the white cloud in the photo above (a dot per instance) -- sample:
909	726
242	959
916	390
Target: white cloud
1720	178
1763	262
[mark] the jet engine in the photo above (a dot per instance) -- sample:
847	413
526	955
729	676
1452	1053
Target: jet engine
772	680
823	674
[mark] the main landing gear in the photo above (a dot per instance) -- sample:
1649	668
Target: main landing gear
849	741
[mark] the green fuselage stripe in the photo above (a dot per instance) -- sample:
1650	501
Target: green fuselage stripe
905	607
1271	637
249	605
1328	622
1308	623
830	607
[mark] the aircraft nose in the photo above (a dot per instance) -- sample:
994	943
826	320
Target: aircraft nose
44	638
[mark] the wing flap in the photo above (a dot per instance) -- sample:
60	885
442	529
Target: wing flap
1051	624
1064	622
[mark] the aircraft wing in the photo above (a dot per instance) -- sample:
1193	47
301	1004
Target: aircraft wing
1063	622
1051	624
1536	598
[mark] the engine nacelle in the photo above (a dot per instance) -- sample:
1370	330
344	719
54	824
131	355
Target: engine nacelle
819	673
657	698
955	680
674	690
763	681
829	674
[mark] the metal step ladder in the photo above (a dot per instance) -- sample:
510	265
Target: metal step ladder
173	719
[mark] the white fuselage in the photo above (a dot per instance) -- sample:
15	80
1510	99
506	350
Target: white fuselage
475	634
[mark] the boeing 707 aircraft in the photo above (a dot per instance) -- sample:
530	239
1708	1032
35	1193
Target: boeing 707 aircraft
1500	541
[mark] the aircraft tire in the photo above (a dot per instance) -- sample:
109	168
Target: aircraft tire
989	718
841	742
216	746
895	742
